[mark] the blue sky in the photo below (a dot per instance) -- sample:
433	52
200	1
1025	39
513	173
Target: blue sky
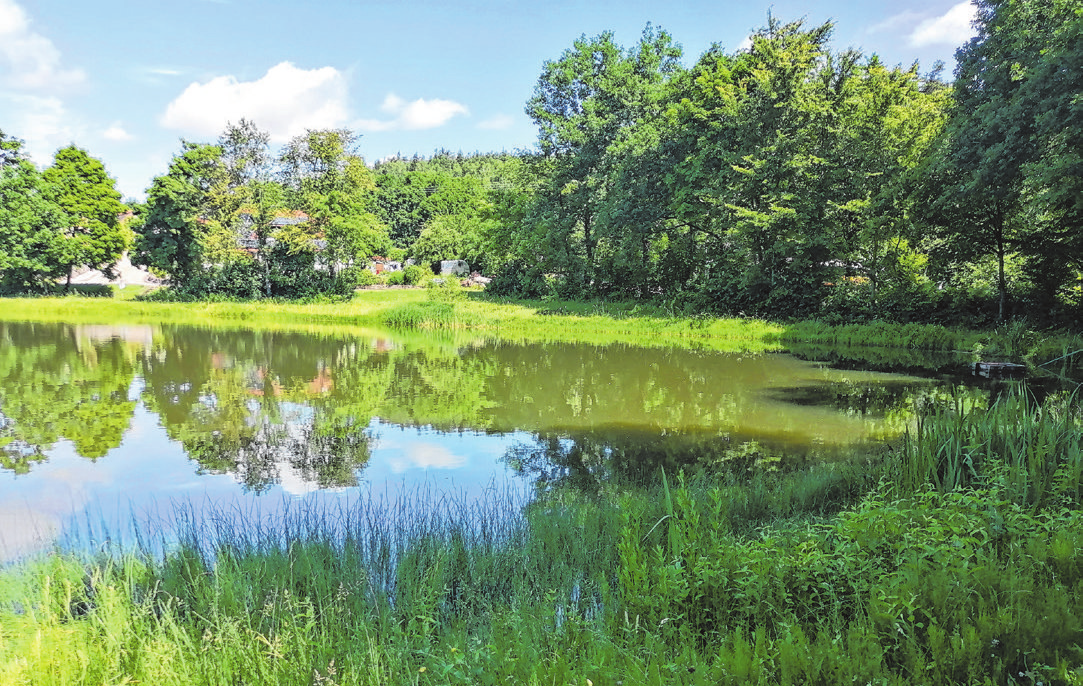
126	80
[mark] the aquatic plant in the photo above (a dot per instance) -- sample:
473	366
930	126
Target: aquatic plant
829	575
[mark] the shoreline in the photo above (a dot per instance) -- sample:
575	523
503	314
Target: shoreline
471	314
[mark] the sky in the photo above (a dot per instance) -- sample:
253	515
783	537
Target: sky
126	80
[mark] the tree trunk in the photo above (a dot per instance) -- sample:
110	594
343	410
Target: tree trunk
67	286
1002	282
588	242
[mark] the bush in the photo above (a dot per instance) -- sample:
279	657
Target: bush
516	280
243	280
445	290
396	278
415	274
365	277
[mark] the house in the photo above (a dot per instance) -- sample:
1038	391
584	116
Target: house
378	265
248	239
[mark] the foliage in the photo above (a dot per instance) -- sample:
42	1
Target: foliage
80	187
31	225
325	178
415	275
1031	452
179	216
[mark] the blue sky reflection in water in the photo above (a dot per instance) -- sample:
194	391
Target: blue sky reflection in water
99	423
150	478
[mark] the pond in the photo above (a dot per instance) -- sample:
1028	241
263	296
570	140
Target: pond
100	425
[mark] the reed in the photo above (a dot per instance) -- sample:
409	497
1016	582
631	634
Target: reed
1031	452
810	577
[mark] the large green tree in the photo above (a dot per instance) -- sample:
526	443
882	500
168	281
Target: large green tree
785	160
80	186
1015	135
31	224
326	178
584	103
180	213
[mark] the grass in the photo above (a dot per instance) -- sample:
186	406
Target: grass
470	312
956	558
888	571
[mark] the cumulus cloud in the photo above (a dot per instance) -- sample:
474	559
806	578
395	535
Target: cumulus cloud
117	133
413	116
284	102
746	44
497	122
29	60
951	28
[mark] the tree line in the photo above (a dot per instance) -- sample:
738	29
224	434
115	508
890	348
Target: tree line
787	179
56	220
792	180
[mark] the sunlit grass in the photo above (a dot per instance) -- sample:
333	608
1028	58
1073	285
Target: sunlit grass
472	313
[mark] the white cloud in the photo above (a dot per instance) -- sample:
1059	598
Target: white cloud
43	122
951	28
894	22
29	60
285	101
746	44
413	116
421	455
117	133
497	122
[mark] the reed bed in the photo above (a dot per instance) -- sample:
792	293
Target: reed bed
891	569
1032	452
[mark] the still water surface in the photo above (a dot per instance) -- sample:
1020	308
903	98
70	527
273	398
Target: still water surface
98	423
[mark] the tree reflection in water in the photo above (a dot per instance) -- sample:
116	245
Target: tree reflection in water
272	407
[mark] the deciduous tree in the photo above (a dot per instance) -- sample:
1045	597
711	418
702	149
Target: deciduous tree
80	186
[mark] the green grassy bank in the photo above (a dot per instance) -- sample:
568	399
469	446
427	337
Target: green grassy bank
592	322
956	559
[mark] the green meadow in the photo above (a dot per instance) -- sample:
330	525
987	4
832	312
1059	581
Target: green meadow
471	312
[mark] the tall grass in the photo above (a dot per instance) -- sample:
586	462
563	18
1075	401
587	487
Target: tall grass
832	575
1032	452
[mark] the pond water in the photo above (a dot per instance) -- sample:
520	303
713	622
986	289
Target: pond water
103	423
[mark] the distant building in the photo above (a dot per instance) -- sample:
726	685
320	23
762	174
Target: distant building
454	268
378	265
248	240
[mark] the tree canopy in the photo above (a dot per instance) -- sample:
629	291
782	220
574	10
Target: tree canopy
80	187
783	179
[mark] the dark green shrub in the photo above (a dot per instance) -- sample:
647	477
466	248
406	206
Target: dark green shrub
516	280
